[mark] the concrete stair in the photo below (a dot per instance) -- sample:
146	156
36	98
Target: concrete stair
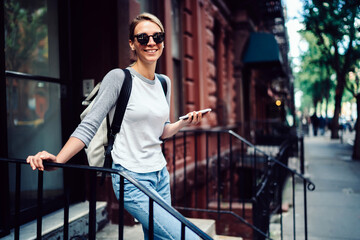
221	237
110	231
52	224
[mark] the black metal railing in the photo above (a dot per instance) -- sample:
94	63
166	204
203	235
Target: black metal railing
185	223
270	132
274	180
229	174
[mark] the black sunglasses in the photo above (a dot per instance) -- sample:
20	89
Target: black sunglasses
144	39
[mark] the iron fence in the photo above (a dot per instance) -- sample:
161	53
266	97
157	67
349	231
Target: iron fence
233	172
185	223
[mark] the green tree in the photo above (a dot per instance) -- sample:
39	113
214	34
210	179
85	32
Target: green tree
353	86
313	79
334	23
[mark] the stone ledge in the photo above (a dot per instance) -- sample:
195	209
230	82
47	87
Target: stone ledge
52	225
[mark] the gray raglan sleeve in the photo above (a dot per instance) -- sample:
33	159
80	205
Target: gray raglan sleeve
105	100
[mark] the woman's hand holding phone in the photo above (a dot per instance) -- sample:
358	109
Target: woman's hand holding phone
194	117
203	112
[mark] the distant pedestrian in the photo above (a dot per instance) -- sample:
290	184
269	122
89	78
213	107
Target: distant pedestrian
315	123
322	125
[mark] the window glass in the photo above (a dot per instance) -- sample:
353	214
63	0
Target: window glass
146	6
33	110
176	55
33	106
31	37
175	29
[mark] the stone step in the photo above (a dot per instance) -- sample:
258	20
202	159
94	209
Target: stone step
222	237
52	224
206	225
110	231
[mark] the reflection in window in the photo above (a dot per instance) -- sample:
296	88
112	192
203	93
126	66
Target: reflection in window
33	116
33	107
31	37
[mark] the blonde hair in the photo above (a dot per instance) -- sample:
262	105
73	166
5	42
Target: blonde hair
143	17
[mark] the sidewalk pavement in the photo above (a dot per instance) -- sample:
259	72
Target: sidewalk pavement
333	208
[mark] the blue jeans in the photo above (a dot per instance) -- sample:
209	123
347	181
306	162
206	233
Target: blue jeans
166	226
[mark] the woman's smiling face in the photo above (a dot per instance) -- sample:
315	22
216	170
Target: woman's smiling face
149	53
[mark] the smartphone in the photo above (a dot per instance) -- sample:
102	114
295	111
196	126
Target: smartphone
204	111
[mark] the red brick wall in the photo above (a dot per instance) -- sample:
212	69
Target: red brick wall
208	65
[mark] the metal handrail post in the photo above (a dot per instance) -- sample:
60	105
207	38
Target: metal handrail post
218	173
66	210
185	177
207	169
39	204
196	168
17	201
121	208
231	173
151	219
92	207
294	212
302	170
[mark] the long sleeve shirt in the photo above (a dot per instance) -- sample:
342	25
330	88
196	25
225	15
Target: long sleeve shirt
137	146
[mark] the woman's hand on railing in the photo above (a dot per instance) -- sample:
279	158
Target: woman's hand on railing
36	161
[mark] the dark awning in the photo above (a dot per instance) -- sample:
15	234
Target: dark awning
262	48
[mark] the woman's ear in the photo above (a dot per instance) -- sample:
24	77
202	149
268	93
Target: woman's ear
131	44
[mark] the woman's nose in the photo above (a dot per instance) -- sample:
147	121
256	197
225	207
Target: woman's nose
151	41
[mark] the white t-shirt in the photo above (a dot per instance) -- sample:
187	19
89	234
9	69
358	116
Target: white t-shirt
137	146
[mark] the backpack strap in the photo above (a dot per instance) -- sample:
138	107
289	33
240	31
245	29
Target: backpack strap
121	105
163	83
92	95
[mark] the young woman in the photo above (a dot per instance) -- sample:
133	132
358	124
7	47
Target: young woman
137	147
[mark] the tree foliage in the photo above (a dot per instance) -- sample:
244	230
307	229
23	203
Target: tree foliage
335	23
314	77
353	87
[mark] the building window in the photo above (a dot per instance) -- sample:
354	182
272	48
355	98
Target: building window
31	37
147	6
177	57
32	97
